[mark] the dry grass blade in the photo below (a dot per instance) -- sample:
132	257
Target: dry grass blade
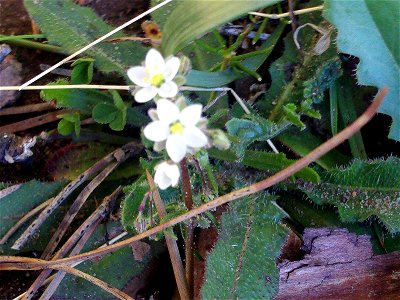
77	236
33	122
76	206
131	147
26	109
22	221
172	246
12	262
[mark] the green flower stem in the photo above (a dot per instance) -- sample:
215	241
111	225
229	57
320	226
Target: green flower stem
20	42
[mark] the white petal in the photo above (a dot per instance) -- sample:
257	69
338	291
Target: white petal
168	89
156	131
139	76
194	137
173	174
155	63
191	115
176	148
172	67
167	111
161	178
145	94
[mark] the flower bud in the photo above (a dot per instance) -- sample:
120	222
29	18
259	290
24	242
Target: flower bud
219	139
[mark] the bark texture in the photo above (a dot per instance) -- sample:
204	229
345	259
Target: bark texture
339	265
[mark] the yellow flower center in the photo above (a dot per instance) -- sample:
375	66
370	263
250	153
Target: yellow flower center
157	80
176	128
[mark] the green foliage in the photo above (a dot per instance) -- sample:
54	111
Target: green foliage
303	142
70	123
135	196
369	30
216	79
304	214
247	131
363	190
118	268
73	26
242	263
112	114
68	162
86	100
266	161
17	204
298	78
82	73
191	19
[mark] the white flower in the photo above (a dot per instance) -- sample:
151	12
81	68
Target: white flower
155	77
167	174
179	129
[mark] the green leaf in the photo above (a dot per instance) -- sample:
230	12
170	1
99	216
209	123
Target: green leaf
266	161
247	131
191	19
65	127
82	73
217	79
370	30
242	263
86	101
104	113
69	123
83	100
363	190
17	204
297	78
303	142
73	26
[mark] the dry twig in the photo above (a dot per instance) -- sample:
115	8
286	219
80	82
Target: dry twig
172	246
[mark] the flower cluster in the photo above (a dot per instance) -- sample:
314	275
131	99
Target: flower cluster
176	127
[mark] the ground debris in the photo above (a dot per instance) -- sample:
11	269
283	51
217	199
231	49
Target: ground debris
339	265
10	74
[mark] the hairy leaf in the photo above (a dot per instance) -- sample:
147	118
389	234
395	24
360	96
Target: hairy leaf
72	27
363	190
242	263
15	205
247	131
266	161
370	30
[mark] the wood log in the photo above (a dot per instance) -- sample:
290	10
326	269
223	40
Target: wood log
339	265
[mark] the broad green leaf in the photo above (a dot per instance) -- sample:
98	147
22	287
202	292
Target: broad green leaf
104	113
15	205
242	263
303	142
82	73
191	19
73	26
370	29
363	190
266	161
